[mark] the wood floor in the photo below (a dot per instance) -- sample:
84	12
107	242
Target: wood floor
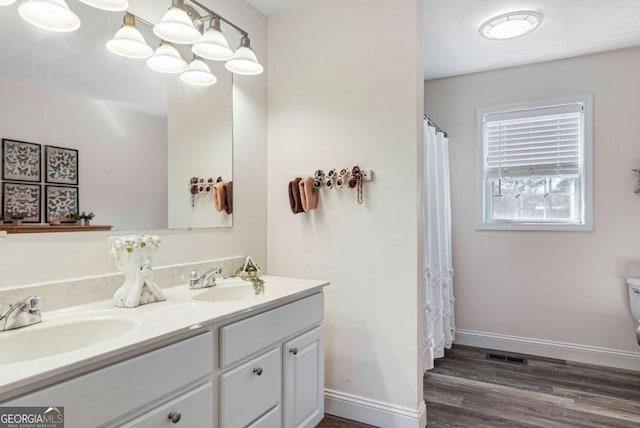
467	390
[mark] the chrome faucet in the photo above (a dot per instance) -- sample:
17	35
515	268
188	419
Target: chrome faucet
23	313
206	280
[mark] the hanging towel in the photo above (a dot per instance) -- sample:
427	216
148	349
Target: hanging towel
219	196
294	196
308	194
228	191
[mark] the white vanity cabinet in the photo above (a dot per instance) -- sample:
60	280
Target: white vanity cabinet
139	392
270	367
303	392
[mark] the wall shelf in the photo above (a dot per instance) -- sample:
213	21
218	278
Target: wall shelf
46	228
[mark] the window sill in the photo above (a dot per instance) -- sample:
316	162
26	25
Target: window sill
534	227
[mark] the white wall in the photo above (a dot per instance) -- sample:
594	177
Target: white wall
26	259
200	145
562	286
111	140
343	91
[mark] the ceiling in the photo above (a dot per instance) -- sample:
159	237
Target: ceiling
453	45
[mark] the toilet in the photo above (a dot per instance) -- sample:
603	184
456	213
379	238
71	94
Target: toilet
634	302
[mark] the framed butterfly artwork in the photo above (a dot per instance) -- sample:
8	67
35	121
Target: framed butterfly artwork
23	199
61	165
21	161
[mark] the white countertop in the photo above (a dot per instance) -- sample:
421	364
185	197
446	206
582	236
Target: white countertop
153	323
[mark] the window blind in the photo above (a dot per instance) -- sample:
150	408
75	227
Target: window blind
544	141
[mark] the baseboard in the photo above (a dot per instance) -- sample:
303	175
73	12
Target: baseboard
551	349
373	412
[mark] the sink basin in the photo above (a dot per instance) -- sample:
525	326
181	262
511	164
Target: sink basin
42	340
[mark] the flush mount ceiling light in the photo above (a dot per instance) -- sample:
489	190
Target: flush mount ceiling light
176	26
128	41
167	59
108	5
511	25
213	44
198	74
244	60
53	15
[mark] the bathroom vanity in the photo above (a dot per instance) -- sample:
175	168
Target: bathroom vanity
219	357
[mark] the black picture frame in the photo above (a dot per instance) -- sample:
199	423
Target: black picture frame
61	166
52	193
21	170
9	189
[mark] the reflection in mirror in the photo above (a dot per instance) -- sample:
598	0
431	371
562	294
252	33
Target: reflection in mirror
138	133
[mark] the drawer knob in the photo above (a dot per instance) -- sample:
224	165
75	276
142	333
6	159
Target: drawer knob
258	371
175	417
294	351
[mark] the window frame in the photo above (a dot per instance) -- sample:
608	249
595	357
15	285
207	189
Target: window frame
586	177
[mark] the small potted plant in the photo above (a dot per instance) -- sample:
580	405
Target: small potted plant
86	218
17	217
54	219
71	218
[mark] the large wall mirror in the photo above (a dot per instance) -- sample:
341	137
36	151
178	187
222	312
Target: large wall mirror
141	136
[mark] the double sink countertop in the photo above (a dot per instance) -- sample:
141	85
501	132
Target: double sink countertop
79	337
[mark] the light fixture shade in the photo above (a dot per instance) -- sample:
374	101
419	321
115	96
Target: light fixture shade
53	15
511	25
198	74
108	5
129	42
213	44
6	2
167	59
177	27
244	60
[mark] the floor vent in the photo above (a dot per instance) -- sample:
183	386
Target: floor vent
506	359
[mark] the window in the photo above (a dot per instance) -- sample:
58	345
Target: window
536	166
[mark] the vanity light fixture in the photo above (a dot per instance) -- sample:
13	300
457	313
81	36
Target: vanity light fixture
244	60
53	15
167	59
128	41
108	5
176	26
198	73
511	25
213	44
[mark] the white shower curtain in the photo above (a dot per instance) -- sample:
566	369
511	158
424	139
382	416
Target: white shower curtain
435	224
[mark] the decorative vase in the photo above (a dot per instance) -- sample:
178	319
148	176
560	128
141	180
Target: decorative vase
134	256
16	222
87	222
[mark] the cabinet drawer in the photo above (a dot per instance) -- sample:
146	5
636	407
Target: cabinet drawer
250	390
243	338
97	398
273	419
195	409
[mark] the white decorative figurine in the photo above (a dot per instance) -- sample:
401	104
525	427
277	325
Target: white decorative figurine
133	255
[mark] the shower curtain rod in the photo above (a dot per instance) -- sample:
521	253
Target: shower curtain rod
432	123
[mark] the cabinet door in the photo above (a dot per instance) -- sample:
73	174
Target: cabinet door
190	410
304	380
249	391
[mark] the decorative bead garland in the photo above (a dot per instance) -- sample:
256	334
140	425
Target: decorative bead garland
333	179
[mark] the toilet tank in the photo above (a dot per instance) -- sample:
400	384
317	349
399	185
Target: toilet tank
634	297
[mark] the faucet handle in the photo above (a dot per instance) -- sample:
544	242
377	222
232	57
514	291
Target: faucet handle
33	304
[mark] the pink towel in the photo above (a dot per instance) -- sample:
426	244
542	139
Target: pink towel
309	195
219	196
